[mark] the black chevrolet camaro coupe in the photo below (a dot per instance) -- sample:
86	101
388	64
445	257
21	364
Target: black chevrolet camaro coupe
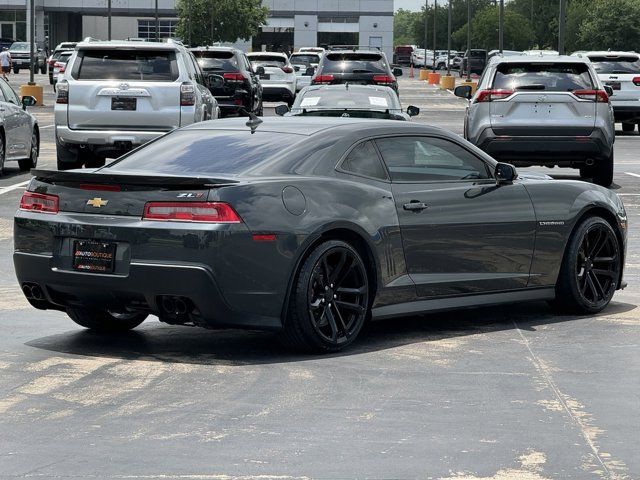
310	226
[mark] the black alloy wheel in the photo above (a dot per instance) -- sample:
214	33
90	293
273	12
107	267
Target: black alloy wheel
2	154
591	268
330	301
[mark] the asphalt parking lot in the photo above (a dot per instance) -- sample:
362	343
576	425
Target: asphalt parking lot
497	393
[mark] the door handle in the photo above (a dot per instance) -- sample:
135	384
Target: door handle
415	206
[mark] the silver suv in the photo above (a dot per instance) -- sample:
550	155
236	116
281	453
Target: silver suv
543	110
621	71
115	96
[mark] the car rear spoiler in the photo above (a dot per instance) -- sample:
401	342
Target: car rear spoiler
55	176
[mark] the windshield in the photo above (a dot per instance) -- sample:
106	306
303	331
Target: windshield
551	77
344	98
306	60
268	61
622	64
209	60
20	46
354	63
205	152
137	64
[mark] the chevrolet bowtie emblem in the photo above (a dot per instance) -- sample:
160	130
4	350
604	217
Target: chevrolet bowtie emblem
97	202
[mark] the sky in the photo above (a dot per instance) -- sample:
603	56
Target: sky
408	4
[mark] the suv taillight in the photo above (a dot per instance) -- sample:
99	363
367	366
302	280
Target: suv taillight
383	79
39	202
636	81
491	95
62	92
233	77
208	212
322	79
598	96
187	95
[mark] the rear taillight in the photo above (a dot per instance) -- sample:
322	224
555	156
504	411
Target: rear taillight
39	202
59	66
287	69
233	77
62	92
598	96
187	95
322	79
491	95
636	81
209	212
383	79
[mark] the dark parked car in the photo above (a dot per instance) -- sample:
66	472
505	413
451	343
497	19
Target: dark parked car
474	62
402	54
231	78
361	101
310	227
360	67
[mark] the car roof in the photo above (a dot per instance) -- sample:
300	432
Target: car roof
308	126
101	44
539	59
267	54
207	48
346	50
605	53
343	86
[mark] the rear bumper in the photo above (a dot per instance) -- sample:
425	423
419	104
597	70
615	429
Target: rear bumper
567	151
279	92
626	113
142	289
104	141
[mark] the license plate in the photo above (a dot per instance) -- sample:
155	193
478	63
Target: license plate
92	256
614	85
265	76
118	103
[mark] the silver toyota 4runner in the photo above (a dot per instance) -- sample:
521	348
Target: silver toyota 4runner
543	110
115	96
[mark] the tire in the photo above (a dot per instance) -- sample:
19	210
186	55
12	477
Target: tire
603	172
91	160
586	172
43	69
329	301
2	154
31	162
628	127
16	70
105	321
51	80
581	287
66	159
260	111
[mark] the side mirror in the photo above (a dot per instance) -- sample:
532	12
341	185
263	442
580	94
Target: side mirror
28	101
413	111
397	72
505	173
608	89
309	72
260	70
282	109
296	68
463	91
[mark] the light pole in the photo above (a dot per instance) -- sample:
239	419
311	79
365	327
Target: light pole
157	23
32	39
435	19
426	7
108	19
561	27
189	20
449	41
501	27
468	40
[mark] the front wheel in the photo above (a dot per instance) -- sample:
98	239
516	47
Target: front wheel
590	268
603	172
329	302
105	321
32	161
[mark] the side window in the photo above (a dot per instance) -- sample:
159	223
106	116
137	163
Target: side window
429	159
247	64
364	160
8	93
189	64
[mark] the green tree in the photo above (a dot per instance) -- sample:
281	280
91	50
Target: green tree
613	24
543	19
403	27
208	21
518	34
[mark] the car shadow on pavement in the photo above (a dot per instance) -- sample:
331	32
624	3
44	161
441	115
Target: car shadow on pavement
178	344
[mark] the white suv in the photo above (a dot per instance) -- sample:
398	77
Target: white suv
621	71
277	76
115	96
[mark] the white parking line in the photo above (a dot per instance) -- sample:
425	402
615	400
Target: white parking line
14	187
633	174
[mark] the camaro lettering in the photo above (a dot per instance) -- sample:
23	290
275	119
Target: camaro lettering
552	223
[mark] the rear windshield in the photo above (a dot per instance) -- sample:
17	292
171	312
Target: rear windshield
622	64
146	65
268	61
404	49
354	63
307	60
550	77
209	60
205	152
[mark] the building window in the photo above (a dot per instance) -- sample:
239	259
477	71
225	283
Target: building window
326	19
147	28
